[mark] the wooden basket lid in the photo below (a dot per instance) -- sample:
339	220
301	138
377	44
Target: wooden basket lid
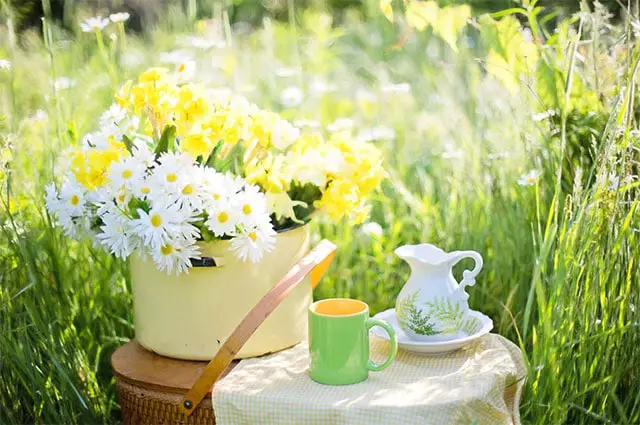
141	367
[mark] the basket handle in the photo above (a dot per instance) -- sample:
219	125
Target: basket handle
315	264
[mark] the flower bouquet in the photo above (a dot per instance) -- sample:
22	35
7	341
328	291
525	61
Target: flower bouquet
178	174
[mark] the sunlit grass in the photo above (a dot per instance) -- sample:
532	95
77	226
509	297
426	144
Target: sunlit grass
564	287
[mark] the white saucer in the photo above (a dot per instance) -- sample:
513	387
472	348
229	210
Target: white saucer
483	325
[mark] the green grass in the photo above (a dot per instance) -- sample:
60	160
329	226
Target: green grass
561	257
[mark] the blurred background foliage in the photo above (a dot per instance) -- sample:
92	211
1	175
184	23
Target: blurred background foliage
514	134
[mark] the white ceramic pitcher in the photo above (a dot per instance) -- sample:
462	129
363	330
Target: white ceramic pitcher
432	306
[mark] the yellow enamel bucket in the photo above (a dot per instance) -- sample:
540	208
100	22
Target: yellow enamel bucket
191	315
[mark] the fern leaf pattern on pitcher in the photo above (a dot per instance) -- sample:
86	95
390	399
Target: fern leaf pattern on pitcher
414	318
450	314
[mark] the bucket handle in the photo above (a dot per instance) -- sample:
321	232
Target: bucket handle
314	264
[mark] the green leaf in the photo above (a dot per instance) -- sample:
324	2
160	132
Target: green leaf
232	161
167	141
214	154
127	143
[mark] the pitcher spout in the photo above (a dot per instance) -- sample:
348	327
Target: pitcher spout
423	253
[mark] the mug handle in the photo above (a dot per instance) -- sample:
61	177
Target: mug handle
376	367
468	276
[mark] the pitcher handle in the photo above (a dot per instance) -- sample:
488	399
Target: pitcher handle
468	276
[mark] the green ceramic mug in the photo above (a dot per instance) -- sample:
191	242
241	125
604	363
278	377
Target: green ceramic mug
339	341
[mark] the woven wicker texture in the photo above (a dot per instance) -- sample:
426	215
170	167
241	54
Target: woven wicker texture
153	407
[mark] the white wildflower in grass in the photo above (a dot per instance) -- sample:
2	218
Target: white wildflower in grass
341	124
162	223
372	229
175	57
376	134
5	64
320	87
63	83
286	72
40	116
610	181
203	43
291	96
399	88
451	152
174	255
119	17
185	70
530	178
254	242
312	124
95	24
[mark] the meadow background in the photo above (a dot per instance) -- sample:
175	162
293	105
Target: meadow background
508	128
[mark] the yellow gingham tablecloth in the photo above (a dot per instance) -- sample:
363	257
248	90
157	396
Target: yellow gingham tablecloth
480	384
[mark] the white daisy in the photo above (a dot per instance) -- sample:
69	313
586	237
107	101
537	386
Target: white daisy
169	176
51	199
119	17
114	235
72	199
113	116
129	125
95	24
96	139
127	173
222	220
142	153
291	96
175	256
162	223
218	188
5	64
530	178
254	242
251	206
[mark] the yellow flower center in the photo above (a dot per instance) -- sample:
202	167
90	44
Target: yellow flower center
145	190
171	177
75	200
127	174
253	236
223	217
156	220
187	190
216	196
166	249
181	67
121	198
247	209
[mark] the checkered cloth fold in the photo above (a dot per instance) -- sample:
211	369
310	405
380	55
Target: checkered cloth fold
480	384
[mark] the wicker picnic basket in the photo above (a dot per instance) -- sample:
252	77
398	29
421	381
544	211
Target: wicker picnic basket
154	389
